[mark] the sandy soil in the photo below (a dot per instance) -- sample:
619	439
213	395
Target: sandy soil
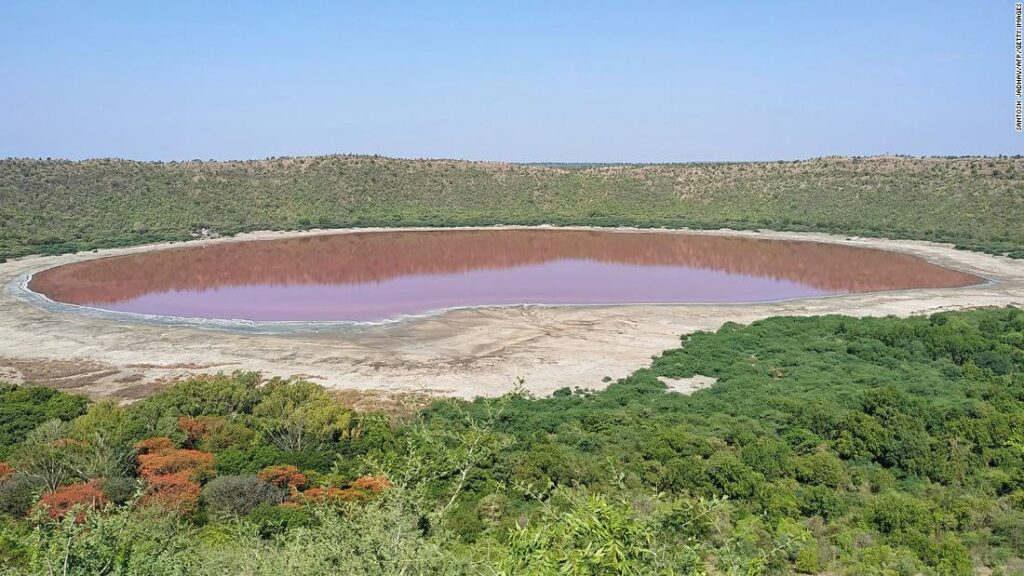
459	353
688	385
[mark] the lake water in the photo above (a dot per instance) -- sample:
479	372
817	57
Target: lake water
379	275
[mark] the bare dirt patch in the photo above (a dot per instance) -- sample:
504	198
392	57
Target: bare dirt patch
687	385
80	376
399	405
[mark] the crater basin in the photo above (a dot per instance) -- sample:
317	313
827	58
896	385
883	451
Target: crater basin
374	276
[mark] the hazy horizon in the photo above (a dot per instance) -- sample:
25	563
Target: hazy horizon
606	83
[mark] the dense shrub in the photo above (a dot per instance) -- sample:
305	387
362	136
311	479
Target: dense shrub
273	520
177	492
239	495
820	501
158	456
18	492
23	408
60	502
120	489
172	475
283	476
256	458
214	433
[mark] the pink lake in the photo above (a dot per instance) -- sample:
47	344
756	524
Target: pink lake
370	276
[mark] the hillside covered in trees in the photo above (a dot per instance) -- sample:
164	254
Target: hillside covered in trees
54	206
829	445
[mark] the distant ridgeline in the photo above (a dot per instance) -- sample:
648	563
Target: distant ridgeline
55	206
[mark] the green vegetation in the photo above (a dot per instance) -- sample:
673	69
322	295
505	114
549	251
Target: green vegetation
829	445
22	409
54	206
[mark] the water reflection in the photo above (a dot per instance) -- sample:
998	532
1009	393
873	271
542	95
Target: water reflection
368	276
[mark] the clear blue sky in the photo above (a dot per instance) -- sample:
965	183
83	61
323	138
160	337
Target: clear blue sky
531	81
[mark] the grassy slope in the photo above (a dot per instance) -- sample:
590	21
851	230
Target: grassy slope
52	206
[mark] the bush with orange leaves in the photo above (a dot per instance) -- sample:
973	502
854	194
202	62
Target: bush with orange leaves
213	433
195	428
59	503
172	475
372	484
330	494
155	445
158	464
175	492
6	471
359	490
159	456
284	476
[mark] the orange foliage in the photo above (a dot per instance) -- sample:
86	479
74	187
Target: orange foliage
283	476
170	462
59	502
212	432
6	471
358	490
156	445
331	495
175	492
172	475
195	429
371	483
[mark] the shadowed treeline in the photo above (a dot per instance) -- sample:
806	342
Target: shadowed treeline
373	257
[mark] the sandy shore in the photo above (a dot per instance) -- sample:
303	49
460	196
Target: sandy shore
460	352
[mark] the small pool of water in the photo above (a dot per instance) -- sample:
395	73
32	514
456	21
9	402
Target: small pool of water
370	276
